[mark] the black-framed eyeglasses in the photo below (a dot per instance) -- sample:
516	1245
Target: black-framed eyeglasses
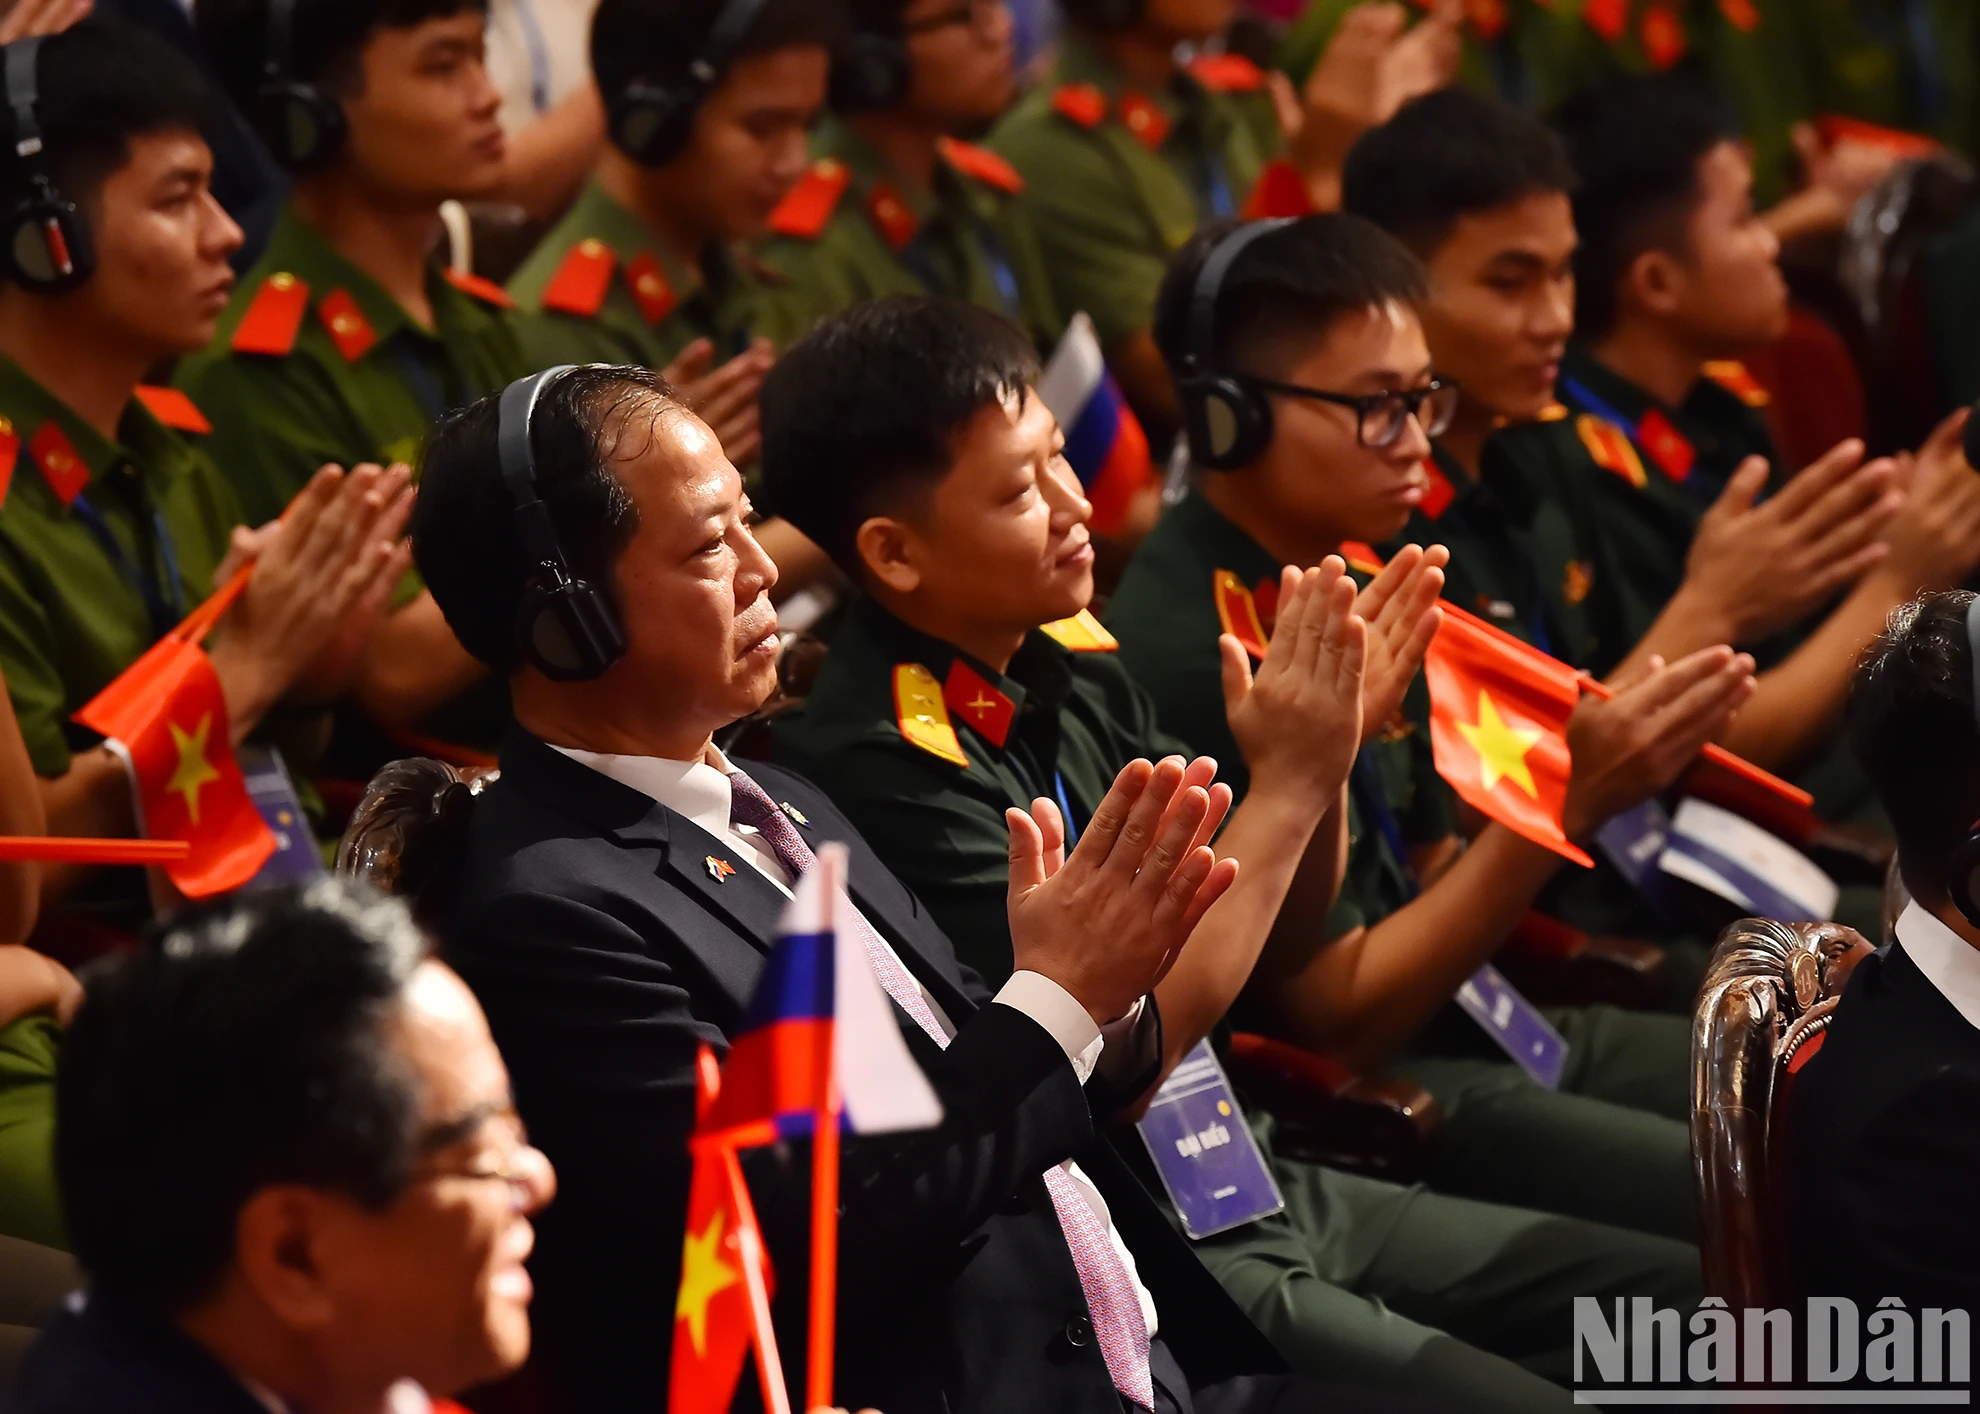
1381	417
979	15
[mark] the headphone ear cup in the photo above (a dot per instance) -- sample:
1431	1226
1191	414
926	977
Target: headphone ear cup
870	71
568	632
1228	423
651	123
48	246
301	127
1963	878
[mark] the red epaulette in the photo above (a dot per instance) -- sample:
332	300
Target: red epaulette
10	451
1227	73
1084	103
582	279
807	206
173	408
1736	378
273	317
349	330
981	163
1279	191
483	289
1662	35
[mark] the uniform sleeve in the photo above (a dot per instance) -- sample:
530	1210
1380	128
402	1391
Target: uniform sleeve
1101	251
275	422
34	682
1432	812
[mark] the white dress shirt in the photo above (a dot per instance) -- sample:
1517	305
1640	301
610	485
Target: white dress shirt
699	790
1948	961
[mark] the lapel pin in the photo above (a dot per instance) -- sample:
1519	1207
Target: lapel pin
719	869
796	814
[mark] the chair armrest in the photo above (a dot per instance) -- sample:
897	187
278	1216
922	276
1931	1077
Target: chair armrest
1327	1114
1555	964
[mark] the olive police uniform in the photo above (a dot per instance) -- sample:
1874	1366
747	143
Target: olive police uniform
853	230
30	1207
314	362
1610	1144
599	288
925	748
104	547
1117	178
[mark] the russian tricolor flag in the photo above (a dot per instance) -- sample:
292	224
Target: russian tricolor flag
1104	440
819	1017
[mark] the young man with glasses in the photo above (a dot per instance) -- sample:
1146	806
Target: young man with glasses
951	508
1329	303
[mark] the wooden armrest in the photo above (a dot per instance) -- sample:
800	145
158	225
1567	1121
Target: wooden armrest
1558	965
1326	1114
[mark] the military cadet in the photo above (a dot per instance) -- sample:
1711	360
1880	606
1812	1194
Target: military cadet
1126	151
115	519
1298	348
969	679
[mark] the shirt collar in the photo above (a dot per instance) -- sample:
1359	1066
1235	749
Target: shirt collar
1949	962
1617	393
144	444
298	247
697	790
1041	669
1218	538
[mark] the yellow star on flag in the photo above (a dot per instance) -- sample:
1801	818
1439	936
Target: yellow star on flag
704	1276
193	770
1501	748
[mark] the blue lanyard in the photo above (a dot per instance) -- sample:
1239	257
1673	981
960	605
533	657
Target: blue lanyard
1000	271
1367	783
1065	808
1576	393
163	603
1216	187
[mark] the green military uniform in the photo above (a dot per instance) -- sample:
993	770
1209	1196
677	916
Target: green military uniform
1908	64
314	362
600	289
1116	179
104	546
854	230
925	748
30	1207
1505	1139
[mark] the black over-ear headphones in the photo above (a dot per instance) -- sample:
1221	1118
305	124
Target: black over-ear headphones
1105	14
48	245
1229	422
1963	869
301	124
651	122
870	71
566	628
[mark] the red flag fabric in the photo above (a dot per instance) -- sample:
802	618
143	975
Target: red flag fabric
721	1257
1498	727
171	717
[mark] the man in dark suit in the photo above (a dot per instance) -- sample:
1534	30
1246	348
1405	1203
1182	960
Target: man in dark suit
1885	1118
622	884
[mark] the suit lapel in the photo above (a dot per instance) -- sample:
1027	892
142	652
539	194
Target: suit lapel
733	889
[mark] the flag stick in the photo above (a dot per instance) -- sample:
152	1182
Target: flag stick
824	1247
75	850
769	1364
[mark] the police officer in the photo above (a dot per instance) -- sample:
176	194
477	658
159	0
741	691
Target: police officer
968	679
114	518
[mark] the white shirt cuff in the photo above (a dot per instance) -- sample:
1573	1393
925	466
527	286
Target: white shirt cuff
1055	1009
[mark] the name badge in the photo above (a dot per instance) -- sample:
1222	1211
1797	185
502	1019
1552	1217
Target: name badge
274	796
1516	1024
1210	1164
1634	842
1734	858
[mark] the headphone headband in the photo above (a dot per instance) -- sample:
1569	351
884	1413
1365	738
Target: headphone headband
23	93
279	40
733	23
512	449
1200	348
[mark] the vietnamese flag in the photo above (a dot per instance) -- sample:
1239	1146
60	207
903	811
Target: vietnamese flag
1498	727
167	713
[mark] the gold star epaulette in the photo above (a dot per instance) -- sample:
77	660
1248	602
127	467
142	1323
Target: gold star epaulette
1082	633
1610	446
1736	378
923	718
1237	612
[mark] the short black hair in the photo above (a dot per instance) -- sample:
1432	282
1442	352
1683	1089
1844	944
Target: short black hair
1445	155
1911	724
326	39
1635	143
464	522
656	40
99	84
1285	288
871	399
243	1045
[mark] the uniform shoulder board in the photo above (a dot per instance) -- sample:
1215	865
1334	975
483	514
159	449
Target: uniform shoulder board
1553	412
1610	446
481	288
273	317
1279	191
807	206
582	279
1084	103
981	163
1227	73
1237	613
1737	379
1082	633
10	452
173	408
923	716
1361	557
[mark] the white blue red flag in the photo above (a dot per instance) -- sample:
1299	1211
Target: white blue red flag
1104	441
819	1017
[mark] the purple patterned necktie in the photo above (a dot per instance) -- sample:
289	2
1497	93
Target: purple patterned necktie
1118	1323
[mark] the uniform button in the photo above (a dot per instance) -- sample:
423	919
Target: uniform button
1079	1332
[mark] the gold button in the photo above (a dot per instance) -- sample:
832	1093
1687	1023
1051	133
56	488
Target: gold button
6	427
649	284
591	247
343	324
282	280
827	167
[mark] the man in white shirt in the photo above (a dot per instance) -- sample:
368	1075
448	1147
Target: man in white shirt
1884	1120
623	880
